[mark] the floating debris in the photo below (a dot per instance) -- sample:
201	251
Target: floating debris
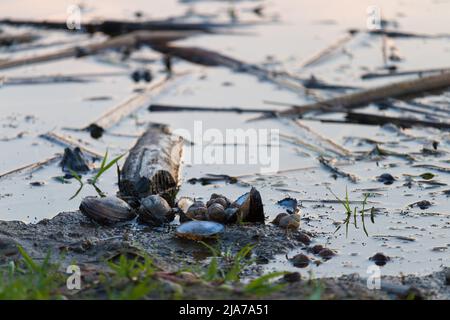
423	204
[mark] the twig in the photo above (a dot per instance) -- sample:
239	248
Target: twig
31	167
329	164
69	142
170	108
322	54
343	152
376	75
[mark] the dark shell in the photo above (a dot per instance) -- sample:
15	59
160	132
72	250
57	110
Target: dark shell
303	238
250	207
198	230
231	214
216	212
316	249
107	210
222	201
155	211
197	211
290	204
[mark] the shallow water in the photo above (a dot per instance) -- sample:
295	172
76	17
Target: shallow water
304	28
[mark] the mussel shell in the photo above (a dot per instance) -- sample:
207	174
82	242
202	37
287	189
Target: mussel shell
199	230
290	204
155	211
250	207
197	211
216	212
107	210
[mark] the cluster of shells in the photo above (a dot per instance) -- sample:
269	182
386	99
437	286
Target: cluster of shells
199	220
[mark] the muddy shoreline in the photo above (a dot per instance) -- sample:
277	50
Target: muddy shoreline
75	239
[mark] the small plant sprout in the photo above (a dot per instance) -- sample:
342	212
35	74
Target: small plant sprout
353	213
104	166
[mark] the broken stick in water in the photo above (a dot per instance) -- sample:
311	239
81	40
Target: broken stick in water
360	99
153	165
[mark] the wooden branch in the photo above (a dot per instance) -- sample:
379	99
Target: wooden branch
360	99
130	40
153	165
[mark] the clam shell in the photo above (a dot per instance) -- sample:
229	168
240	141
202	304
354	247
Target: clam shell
198	230
197	211
107	210
216	212
155	211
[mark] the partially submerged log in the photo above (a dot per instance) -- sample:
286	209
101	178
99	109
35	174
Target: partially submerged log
153	165
130	40
419	72
360	99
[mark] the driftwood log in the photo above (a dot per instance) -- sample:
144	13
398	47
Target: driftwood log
360	99
10	39
153	165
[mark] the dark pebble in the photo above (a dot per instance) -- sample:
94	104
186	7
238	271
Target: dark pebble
386	178
326	253
380	259
316	249
292	277
300	260
303	238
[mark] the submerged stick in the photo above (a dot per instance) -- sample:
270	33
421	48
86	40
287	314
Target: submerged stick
130	40
360	99
321	55
32	166
66	141
420	72
153	165
328	163
372	119
169	108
